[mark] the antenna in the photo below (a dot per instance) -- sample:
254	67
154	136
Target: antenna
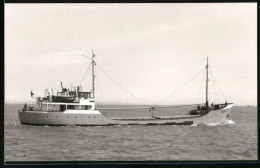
61	86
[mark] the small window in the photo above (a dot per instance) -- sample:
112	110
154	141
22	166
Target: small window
72	107
56	116
87	107
67	116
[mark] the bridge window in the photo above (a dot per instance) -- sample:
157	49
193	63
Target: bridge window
86	107
71	107
77	107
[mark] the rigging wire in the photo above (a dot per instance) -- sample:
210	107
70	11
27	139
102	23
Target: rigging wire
201	85
216	93
149	106
216	80
122	86
179	88
214	84
85	74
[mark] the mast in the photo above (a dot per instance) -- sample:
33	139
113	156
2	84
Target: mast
207	79
93	74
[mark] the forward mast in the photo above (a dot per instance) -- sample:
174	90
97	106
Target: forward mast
93	73
207	79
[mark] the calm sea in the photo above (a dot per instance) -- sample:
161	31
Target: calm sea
236	140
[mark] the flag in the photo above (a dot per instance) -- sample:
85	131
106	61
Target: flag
32	94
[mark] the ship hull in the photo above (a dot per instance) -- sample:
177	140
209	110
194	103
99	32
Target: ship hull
95	118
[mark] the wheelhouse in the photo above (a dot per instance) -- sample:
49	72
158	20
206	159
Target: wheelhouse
80	94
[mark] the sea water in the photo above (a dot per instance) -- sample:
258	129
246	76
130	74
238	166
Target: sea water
234	140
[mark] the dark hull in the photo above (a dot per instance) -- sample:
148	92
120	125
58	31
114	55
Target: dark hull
114	124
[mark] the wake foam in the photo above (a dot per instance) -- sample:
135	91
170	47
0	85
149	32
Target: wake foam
227	122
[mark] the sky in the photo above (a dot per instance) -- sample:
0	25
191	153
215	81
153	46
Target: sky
150	50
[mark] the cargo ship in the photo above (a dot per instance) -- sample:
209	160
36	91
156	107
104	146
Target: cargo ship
77	107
